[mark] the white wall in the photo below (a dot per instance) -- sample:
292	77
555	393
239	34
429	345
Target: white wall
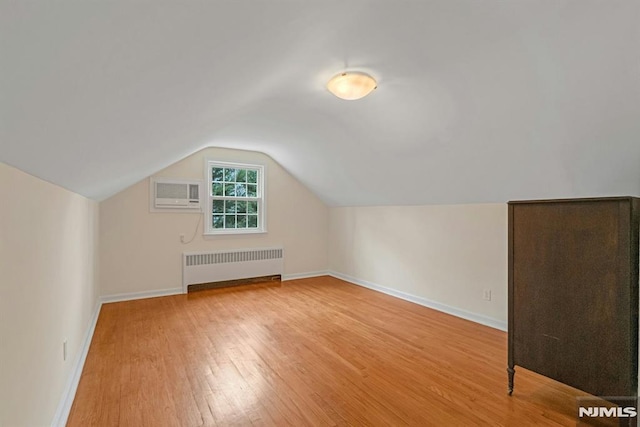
48	292
441	254
141	251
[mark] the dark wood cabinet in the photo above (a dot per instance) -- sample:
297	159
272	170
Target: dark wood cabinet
573	292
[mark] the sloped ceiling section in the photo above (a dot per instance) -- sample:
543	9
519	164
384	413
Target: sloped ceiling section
478	101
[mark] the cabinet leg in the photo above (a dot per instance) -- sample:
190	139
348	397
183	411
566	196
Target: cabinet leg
511	373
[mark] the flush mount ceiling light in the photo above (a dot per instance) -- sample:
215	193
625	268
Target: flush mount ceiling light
351	85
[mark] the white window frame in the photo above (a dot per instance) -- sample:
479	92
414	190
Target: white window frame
261	199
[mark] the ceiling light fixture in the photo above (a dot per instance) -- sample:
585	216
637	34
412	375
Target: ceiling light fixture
351	85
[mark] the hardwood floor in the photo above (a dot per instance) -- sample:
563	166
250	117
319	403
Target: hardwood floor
306	352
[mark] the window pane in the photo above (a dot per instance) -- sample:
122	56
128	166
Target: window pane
230	206
217	174
218	221
241	190
229	221
218	206
229	183
230	175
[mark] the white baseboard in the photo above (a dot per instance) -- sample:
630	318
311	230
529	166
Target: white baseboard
474	317
176	291
69	393
307	275
140	295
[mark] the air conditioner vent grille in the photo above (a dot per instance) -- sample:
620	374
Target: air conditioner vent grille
167	190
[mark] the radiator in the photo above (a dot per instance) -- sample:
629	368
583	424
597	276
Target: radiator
208	267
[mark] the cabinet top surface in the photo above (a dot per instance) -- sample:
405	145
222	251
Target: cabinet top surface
578	200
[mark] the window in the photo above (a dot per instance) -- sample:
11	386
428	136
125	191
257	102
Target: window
236	198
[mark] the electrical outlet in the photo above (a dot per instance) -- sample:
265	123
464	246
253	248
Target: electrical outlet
486	294
181	238
64	350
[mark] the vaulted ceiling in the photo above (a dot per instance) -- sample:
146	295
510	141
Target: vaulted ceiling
477	101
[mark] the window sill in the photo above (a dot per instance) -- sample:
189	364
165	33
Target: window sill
208	236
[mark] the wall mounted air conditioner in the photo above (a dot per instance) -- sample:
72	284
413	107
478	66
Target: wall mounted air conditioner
167	193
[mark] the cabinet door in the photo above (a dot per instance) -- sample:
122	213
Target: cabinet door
571	293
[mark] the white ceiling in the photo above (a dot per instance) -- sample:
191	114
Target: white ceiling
477	101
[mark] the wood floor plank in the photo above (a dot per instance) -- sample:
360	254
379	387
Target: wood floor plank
312	352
